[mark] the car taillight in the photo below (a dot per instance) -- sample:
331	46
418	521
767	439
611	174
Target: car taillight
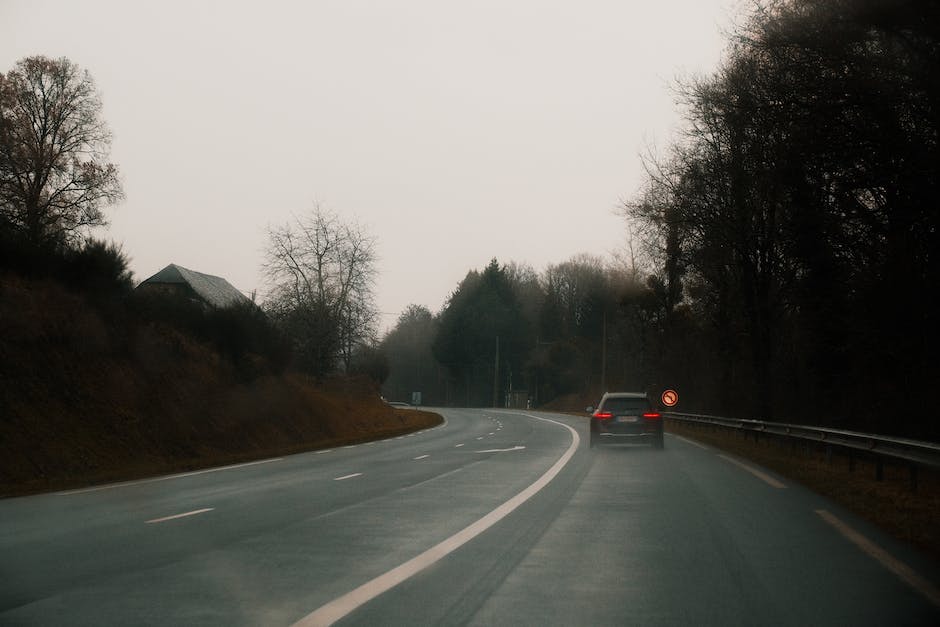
603	415
652	415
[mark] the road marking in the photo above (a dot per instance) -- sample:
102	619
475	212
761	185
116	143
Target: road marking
329	450
480	438
183	515
899	568
420	457
166	477
342	606
491	433
458	446
502	450
692	442
344	477
754	471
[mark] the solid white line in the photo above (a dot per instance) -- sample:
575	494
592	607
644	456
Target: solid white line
344	477
692	442
329	450
342	606
166	477
754	471
183	515
899	568
420	457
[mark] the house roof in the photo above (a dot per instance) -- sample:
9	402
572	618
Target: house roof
214	290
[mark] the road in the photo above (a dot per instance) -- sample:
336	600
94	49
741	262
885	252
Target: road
494	518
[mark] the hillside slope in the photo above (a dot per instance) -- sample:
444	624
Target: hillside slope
88	393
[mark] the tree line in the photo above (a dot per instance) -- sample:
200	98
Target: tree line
790	238
788	241
56	182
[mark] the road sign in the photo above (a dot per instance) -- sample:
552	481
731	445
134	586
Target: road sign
670	398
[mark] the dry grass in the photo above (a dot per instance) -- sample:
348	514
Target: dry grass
85	399
912	516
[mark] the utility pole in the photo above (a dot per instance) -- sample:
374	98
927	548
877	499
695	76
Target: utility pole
604	354
496	376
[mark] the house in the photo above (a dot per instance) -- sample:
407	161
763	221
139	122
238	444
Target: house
176	280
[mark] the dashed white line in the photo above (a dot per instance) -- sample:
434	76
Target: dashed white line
183	515
502	450
420	457
329	450
899	568
458	445
344	477
754	471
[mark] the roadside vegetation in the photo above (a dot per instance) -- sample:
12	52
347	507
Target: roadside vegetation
99	382
92	390
779	262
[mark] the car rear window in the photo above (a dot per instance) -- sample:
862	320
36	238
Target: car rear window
625	405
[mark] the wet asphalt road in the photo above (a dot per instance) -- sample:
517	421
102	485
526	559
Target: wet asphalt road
525	526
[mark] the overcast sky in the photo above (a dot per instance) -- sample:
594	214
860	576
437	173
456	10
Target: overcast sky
455	132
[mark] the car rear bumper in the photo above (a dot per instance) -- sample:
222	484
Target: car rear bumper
628	436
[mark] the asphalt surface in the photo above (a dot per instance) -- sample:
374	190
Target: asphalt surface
495	518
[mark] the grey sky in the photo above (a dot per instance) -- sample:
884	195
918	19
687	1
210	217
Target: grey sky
454	131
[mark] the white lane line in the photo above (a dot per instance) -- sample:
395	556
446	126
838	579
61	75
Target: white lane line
502	450
480	438
420	457
491	433
458	445
329	450
692	442
344	477
899	568
183	515
754	471
342	606
166	477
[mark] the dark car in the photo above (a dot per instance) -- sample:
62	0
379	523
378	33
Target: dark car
626	417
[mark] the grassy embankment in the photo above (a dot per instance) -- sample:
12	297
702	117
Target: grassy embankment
88	395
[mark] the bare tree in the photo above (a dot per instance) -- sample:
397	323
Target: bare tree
321	272
54	174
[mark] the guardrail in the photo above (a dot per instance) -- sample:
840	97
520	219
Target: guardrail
913	453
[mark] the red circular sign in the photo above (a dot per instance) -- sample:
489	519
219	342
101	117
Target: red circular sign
670	398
